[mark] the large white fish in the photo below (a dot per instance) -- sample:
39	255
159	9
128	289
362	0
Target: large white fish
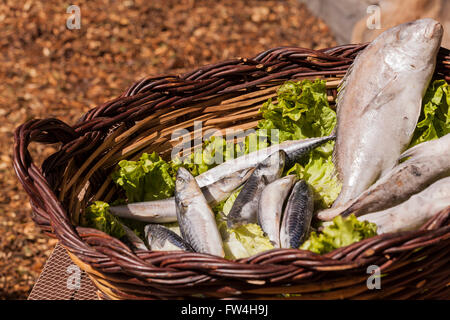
379	103
414	212
427	162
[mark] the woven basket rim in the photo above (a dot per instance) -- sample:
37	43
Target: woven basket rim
169	274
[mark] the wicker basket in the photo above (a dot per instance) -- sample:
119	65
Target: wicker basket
223	95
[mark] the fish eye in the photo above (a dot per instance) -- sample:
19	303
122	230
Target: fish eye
402	34
180	180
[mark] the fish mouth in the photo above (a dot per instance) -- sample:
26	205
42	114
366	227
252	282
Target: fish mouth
183	176
434	30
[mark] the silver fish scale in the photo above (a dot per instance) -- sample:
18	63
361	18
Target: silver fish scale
165	234
190	234
379	103
195	218
270	207
297	216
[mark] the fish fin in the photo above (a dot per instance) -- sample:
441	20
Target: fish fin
334	159
274	244
412	152
386	94
246	173
343	85
377	101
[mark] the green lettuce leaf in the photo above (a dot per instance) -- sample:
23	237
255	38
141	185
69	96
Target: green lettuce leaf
339	233
243	241
251	237
149	178
302	111
98	216
226	205
434	120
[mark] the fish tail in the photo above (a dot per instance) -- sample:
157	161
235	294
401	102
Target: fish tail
334	155
414	152
329	214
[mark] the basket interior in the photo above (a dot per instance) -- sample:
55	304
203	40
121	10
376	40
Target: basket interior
218	113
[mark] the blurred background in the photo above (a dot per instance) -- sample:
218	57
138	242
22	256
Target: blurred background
48	70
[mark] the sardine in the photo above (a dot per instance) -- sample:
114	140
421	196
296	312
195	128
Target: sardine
379	103
297	216
195	218
133	239
414	212
160	238
223	188
429	162
270	207
294	149
245	207
163	211
156	211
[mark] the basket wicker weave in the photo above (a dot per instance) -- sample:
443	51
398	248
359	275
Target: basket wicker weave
223	95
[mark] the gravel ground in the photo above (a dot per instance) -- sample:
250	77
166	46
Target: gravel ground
47	70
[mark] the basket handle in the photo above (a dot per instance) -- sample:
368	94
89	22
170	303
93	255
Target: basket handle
42	198
48	212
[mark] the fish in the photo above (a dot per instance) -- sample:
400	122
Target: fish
156	211
414	212
195	218
245	207
270	207
160	238
379	103
297	216
164	211
223	188
427	162
133	239
295	149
